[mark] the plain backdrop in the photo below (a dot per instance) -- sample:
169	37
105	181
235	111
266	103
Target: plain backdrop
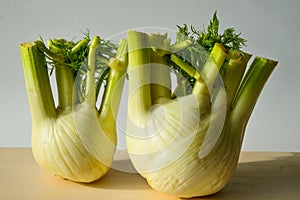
271	28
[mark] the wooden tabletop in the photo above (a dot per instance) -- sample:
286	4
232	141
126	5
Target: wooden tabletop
259	176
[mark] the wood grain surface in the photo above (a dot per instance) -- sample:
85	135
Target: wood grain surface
259	176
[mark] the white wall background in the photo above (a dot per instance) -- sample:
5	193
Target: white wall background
271	27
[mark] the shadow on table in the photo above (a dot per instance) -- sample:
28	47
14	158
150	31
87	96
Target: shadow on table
260	180
271	179
121	179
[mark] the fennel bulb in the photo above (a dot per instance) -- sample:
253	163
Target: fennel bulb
74	140
188	145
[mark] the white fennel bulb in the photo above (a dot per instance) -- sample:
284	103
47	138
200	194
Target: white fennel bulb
188	146
75	140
